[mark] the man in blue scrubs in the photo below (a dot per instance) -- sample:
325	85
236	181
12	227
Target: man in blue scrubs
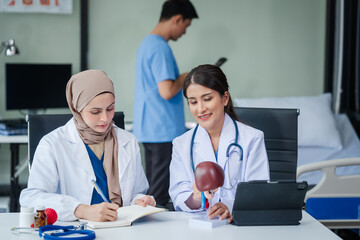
158	110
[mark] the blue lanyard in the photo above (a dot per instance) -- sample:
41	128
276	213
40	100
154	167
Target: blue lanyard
58	231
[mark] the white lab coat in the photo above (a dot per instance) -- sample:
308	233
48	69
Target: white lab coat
61	173
254	166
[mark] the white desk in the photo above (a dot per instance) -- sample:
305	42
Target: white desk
14	142
174	225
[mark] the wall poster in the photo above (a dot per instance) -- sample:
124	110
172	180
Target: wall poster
37	6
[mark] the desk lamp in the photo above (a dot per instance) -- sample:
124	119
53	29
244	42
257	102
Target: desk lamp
11	48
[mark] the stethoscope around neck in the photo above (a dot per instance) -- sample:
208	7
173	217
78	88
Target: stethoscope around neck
234	144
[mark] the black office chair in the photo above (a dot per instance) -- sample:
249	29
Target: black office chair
40	125
280	127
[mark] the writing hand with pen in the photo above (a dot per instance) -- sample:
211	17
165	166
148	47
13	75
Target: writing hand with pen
101	212
106	211
209	176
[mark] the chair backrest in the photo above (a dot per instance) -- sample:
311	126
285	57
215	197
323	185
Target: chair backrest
40	125
280	127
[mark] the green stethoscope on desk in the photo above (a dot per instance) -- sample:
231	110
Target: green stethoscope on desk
234	144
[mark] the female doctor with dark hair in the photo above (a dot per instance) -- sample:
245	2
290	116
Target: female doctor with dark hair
88	147
206	90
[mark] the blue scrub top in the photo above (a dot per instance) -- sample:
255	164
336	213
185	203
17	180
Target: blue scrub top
156	119
100	175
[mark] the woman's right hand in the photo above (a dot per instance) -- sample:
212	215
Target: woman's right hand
194	200
197	193
101	212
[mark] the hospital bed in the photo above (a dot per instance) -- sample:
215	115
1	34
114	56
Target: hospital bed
335	200
322	134
328	157
350	149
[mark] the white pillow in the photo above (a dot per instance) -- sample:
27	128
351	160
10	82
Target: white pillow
316	123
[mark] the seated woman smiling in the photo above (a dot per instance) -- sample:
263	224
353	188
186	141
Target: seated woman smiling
220	138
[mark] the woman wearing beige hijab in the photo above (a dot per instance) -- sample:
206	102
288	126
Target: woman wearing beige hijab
88	147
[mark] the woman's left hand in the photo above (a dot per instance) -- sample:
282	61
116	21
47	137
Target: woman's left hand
147	200
221	210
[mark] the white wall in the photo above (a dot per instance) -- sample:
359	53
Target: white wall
274	47
41	38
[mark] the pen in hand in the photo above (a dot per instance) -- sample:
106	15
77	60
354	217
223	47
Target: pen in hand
97	188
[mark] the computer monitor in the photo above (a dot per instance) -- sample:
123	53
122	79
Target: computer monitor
36	86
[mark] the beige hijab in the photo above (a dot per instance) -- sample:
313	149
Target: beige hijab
80	90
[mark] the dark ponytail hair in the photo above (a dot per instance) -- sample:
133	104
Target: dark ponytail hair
212	77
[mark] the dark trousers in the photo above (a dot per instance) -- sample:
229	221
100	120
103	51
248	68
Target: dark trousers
157	159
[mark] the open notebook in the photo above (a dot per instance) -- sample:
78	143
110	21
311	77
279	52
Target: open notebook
126	215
